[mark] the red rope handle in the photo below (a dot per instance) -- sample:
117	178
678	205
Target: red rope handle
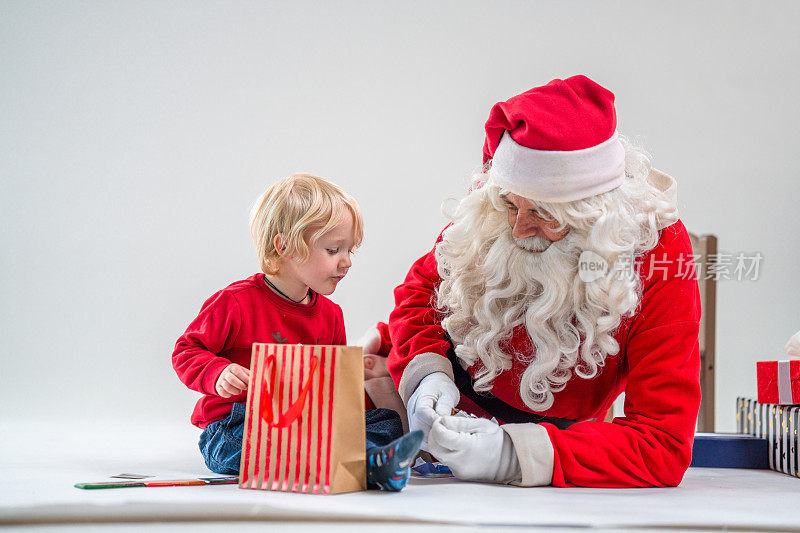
294	410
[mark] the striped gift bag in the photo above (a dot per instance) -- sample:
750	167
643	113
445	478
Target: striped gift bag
304	425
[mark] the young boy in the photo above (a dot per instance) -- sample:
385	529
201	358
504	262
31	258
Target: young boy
305	229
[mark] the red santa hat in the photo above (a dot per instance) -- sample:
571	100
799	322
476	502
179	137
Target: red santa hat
556	143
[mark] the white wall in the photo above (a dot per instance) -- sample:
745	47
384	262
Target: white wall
134	137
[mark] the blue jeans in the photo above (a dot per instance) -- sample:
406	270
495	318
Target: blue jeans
221	441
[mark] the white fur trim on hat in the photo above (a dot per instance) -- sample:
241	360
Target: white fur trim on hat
558	176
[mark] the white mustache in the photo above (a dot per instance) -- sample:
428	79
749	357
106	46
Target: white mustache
533	244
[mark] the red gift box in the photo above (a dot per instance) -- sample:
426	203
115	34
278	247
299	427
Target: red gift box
779	381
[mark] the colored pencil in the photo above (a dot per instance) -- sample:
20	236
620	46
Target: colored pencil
225	480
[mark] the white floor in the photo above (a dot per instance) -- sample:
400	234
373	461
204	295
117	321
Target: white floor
42	461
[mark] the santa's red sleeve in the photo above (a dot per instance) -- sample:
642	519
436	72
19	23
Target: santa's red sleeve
651	446
418	343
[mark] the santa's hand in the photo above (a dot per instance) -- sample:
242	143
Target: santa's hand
475	449
435	396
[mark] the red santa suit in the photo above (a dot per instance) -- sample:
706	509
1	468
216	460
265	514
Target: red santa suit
559	143
658	368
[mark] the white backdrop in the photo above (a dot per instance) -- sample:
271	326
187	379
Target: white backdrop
135	136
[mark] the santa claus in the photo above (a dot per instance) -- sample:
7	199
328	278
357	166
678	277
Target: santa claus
559	284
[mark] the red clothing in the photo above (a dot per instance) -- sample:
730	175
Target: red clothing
658	367
229	322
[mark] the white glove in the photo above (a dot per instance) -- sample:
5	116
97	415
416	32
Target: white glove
792	347
475	449
435	396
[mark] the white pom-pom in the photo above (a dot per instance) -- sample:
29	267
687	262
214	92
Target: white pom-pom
370	341
792	347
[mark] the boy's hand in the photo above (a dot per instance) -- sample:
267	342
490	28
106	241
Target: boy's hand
374	367
233	381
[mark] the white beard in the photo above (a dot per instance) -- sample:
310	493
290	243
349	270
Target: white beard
493	283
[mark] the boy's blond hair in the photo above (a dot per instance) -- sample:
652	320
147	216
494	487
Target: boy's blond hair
302	208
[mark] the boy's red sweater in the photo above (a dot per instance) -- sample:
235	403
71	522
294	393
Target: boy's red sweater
230	321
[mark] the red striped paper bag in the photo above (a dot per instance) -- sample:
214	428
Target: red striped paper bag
304	425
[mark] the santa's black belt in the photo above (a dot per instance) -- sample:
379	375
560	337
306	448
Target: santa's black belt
494	405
